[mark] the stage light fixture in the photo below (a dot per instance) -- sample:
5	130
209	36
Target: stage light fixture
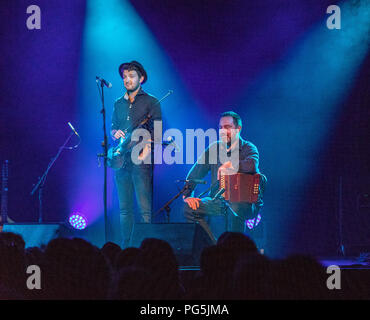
77	221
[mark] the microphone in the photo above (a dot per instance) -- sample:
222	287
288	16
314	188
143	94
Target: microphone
105	82
219	193
197	181
173	143
73	129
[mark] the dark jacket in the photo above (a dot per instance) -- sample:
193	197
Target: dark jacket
248	163
126	114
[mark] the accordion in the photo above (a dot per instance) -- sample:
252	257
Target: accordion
241	187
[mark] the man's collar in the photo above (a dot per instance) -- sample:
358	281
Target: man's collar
140	92
241	143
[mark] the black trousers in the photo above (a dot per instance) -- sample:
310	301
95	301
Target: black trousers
216	218
134	182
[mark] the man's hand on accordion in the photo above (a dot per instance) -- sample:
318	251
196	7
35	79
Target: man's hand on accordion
226	169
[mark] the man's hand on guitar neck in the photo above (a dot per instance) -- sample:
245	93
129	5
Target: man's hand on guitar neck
116	134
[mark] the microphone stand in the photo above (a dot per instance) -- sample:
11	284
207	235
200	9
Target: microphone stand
228	207
40	184
167	204
104	155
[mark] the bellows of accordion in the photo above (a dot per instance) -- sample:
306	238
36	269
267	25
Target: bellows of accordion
240	187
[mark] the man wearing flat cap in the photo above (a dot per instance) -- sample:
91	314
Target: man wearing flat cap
134	180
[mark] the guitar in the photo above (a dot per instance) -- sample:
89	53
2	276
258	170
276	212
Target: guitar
116	155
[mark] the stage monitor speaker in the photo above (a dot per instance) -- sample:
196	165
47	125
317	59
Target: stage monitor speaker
37	234
187	239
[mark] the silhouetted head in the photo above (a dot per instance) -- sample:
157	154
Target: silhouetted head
134	283
75	269
110	250
159	252
237	241
12	263
126	258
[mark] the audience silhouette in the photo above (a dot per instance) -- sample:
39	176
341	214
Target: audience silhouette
73	268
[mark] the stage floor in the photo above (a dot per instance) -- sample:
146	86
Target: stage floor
359	262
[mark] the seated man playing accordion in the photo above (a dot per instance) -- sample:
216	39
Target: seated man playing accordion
211	212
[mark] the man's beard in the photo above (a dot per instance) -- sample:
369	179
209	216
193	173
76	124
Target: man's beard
132	90
229	141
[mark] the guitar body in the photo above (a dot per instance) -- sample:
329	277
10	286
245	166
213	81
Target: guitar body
116	155
114	160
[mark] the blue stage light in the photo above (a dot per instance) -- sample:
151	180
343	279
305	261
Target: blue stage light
78	221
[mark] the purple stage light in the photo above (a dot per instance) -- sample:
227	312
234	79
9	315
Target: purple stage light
77	221
252	223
